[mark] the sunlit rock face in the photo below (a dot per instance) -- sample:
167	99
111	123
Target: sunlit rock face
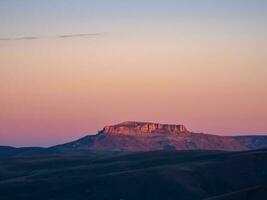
139	128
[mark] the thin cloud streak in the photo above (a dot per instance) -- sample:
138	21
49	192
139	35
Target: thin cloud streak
81	35
57	36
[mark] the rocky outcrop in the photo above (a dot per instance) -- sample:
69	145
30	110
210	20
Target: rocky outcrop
145	136
139	128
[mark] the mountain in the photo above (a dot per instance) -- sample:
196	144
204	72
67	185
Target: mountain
146	136
168	175
122	161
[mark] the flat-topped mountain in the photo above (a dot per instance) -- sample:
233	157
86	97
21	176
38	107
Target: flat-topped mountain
147	136
137	128
133	136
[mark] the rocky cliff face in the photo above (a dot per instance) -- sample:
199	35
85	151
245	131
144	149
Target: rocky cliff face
139	128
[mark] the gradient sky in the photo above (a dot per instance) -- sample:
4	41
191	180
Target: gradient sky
199	63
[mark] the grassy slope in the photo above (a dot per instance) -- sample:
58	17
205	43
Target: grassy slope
151	175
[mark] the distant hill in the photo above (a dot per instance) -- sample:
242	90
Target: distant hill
144	136
27	151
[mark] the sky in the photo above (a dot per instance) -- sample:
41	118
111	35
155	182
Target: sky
70	67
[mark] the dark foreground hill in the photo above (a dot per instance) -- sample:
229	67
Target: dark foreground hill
161	175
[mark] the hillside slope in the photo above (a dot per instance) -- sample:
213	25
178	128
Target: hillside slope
185	175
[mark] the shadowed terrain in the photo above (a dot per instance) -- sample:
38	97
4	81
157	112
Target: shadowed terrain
148	175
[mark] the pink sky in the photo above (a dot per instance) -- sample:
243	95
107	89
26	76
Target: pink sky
201	65
57	90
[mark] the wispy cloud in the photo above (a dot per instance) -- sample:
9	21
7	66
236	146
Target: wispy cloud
81	35
56	36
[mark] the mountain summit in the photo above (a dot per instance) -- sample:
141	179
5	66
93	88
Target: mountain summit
147	136
139	128
131	136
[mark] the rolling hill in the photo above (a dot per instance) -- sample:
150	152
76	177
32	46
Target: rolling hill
157	175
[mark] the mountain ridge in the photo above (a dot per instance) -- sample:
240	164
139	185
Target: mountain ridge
133	136
148	136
